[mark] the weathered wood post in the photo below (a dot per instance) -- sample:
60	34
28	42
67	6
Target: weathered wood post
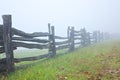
88	38
68	36
53	40
98	36
1	39
101	36
72	43
83	37
95	36
52	47
50	40
68	32
7	37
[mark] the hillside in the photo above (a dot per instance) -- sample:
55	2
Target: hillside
96	62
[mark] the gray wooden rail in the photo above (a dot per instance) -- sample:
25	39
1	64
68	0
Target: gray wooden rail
11	38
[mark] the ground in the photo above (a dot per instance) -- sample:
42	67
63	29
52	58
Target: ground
96	62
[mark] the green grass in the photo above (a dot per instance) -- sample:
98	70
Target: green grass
96	62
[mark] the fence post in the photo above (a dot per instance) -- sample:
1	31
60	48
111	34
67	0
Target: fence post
72	44
68	36
52	47
83	37
88	38
68	32
101	36
7	38
53	40
98	36
95	36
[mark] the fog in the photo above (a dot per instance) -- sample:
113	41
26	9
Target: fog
34	15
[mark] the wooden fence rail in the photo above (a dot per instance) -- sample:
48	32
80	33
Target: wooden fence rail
29	45
30	39
9	42
59	37
29	35
62	42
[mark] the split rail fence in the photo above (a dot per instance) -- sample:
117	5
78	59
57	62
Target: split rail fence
11	39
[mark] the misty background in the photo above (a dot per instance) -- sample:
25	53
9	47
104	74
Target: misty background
34	15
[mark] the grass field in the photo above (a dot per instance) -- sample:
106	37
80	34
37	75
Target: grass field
96	62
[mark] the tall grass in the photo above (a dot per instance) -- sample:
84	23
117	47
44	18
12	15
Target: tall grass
98	61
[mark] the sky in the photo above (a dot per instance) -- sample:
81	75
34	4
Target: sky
34	15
